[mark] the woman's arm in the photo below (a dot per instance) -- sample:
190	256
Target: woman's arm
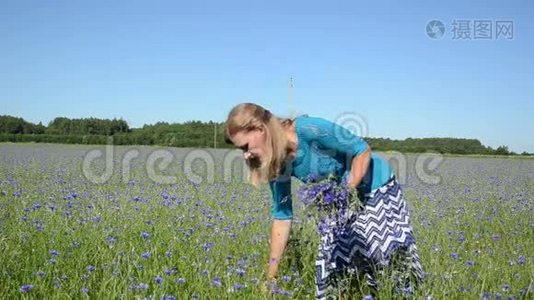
279	237
358	169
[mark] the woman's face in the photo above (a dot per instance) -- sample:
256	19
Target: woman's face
252	143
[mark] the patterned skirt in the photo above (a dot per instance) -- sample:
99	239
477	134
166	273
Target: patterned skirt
375	239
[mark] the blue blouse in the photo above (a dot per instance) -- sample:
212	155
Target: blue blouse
324	148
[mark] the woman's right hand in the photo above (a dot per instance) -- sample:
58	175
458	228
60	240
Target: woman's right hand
279	237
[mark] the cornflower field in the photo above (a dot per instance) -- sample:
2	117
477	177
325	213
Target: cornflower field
169	228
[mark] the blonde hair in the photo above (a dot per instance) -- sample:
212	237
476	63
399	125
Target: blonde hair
249	116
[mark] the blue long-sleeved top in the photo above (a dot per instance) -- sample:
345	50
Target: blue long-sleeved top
324	148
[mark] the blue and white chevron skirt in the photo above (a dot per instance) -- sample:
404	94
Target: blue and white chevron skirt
376	238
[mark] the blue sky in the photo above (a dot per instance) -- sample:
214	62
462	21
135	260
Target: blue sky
149	61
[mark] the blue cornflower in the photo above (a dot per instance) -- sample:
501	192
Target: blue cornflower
158	279
40	274
84	290
110	240
26	288
207	246
237	287
170	271
169	297
146	255
323	227
90	268
145	235
328	198
368	297
53	252
216	282
180	280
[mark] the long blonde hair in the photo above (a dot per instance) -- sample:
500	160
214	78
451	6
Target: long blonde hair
249	116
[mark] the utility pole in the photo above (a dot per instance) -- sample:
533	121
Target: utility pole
290	97
215	135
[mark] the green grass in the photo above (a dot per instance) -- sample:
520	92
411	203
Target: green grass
471	242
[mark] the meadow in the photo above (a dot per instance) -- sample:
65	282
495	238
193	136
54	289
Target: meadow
163	224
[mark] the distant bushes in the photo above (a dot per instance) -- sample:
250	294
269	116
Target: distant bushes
196	134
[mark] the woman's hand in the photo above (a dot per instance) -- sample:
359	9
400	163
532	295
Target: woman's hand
268	286
279	237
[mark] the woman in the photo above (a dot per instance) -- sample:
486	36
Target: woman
276	149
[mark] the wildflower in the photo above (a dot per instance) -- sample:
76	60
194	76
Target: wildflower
110	241
158	279
170	271
26	288
236	287
207	246
146	255
40	274
216	282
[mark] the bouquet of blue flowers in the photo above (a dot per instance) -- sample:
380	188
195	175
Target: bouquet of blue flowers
332	199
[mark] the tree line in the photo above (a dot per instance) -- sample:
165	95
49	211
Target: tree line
196	134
